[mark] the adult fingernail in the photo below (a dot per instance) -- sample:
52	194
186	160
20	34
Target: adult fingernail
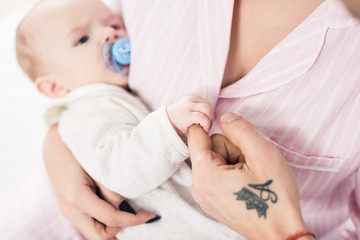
126	207
155	219
229	117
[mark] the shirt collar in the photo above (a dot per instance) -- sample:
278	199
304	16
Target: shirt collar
338	15
295	54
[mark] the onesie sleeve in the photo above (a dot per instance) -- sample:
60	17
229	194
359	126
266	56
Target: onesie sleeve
127	156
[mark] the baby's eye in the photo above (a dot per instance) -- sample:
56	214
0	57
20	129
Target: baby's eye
116	27
82	40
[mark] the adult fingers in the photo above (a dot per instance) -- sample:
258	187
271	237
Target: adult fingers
198	141
200	147
111	197
221	145
91	228
104	212
116	200
244	135
103	231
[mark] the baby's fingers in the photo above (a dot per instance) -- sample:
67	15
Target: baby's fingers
200	118
205	108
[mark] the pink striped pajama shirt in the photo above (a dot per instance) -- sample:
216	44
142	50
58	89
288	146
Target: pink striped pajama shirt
304	95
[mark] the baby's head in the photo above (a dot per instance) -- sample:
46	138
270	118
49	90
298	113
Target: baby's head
59	42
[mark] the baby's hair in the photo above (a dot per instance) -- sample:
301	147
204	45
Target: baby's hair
25	50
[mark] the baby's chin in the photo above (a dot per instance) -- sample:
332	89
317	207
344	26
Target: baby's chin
117	79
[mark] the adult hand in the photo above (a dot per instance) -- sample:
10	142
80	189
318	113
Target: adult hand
93	216
244	182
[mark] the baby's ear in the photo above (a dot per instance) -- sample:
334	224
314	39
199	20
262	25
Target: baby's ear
48	86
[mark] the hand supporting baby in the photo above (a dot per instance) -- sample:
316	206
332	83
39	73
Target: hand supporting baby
188	110
94	217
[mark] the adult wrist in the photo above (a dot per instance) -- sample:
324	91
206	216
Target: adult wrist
290	228
50	140
302	236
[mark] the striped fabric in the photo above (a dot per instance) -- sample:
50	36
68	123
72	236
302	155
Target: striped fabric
303	95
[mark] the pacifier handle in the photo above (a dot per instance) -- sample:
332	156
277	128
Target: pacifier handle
121	51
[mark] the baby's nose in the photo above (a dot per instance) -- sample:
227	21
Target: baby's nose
112	36
109	34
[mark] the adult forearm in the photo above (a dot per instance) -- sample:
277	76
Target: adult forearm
95	218
55	155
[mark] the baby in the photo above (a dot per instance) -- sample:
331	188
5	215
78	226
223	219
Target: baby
120	144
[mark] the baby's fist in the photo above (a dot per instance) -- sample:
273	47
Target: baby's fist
188	110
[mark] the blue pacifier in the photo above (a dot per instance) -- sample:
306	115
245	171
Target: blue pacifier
116	55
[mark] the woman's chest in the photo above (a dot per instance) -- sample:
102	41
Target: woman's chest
312	120
257	27
304	98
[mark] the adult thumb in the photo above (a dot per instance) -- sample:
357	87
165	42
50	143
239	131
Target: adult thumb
244	136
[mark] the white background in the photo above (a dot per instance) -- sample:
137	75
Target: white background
21	125
9	6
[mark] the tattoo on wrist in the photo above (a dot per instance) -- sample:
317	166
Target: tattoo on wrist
257	202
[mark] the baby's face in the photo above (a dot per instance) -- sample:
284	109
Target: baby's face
69	36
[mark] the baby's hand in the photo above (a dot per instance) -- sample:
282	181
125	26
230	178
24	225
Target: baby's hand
189	110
